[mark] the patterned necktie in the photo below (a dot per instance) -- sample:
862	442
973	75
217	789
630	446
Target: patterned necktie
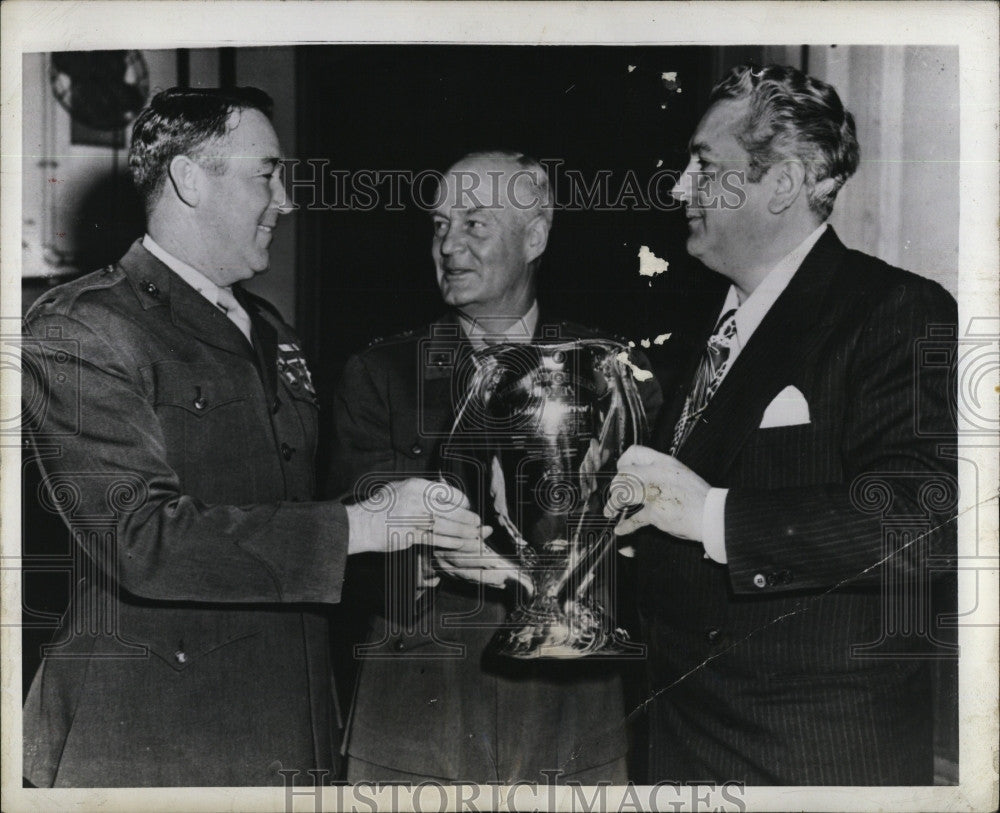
234	310
711	370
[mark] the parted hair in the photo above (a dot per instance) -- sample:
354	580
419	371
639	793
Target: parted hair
793	115
183	121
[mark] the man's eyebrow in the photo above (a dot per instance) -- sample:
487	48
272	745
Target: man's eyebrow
698	147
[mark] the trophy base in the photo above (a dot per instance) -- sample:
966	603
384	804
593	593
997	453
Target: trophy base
577	632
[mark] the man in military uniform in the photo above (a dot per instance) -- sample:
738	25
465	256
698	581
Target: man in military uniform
177	429
431	701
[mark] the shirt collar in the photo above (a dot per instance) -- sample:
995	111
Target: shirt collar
202	284
479	329
751	313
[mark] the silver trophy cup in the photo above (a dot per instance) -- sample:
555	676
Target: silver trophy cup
553	420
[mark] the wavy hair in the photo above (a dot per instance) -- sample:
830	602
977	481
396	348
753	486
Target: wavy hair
182	121
793	115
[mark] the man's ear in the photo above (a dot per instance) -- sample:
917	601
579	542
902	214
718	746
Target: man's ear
789	179
185	177
536	238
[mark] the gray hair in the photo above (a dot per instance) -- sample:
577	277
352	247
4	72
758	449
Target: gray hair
528	171
795	115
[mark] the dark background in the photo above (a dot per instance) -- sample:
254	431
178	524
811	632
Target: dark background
365	274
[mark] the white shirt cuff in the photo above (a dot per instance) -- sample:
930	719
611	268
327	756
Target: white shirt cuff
713	525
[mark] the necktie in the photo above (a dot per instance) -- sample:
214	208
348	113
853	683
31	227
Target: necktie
711	371
234	310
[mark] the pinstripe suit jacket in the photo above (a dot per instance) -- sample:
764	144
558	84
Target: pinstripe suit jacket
794	663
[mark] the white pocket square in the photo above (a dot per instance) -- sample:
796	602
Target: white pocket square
789	408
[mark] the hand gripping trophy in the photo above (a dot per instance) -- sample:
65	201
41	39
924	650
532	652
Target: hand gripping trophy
554	419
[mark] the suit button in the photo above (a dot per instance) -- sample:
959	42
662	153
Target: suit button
287	451
417	449
712	635
759	580
180	656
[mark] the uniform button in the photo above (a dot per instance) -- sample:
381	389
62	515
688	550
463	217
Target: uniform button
200	402
759	580
712	635
416	449
180	656
150	289
287	451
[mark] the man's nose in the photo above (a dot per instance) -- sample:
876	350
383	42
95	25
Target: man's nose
450	241
279	195
683	191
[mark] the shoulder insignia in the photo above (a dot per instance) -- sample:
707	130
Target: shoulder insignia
389	340
63	297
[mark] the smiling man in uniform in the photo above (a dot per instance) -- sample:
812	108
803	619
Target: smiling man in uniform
432	701
177	431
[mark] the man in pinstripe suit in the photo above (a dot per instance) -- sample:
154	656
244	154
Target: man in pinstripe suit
801	489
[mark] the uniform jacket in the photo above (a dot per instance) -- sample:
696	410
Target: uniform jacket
787	666
430	699
195	649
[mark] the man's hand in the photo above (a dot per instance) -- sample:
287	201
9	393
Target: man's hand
671	495
487	567
415	512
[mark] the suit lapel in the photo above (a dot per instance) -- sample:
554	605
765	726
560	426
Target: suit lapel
445	365
768	362
265	343
663	432
156	285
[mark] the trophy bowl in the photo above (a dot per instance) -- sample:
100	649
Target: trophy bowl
554	419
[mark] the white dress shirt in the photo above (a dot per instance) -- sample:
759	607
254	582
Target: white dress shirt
749	314
481	330
202	284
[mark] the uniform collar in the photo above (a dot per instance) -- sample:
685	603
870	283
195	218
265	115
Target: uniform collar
480	332
192	276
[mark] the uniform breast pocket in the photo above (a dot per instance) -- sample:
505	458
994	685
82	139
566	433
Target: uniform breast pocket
204	413
186	638
304	405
